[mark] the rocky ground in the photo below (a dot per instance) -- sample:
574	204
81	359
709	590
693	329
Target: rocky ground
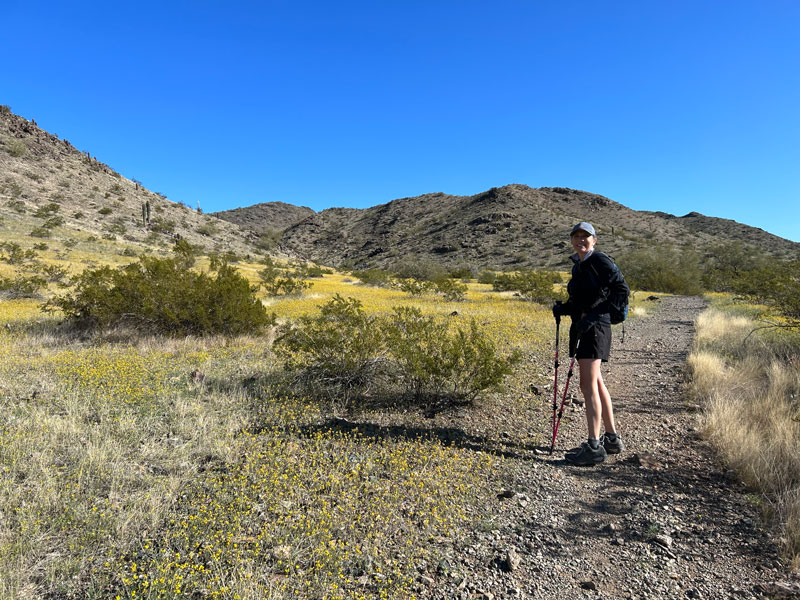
661	520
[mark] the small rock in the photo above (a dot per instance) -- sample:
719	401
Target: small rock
536	390
505	494
510	561
425	580
662	540
588	585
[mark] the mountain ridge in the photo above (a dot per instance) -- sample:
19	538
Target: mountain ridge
507	227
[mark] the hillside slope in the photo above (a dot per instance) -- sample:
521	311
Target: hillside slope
509	227
42	176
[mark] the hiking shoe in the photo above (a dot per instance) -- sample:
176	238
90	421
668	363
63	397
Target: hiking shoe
587	455
614	447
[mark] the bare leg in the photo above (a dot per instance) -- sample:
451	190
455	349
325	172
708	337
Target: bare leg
590	387
605	403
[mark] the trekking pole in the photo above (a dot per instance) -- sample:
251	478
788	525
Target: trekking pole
557	421
555	380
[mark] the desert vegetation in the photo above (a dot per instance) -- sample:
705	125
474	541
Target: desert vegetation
747	378
157	441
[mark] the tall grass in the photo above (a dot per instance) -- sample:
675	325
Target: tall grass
749	385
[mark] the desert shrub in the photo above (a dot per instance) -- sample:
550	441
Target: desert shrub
40	246
78	215
268	239
164	296
128	252
40	232
376	277
340	351
72	242
662	269
309	270
53	222
775	283
185	253
13	253
279	282
433	361
537	286
451	290
420	269
725	263
208	229
346	352
118	226
16	147
462	273
47	210
487	277
21	287
17	206
415	287
161	225
51	273
106	210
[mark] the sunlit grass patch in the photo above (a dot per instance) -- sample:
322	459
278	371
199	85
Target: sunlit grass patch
310	512
21	309
749	384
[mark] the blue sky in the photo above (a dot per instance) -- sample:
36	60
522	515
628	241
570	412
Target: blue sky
674	106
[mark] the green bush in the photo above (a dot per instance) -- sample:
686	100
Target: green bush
308	270
106	210
537	286
208	229
435	362
53	222
345	352
164	296
279	282
17	206
13	253
376	277
662	269
16	147
777	284
21	287
47	210
420	269
415	287
487	277
451	290
340	351
40	232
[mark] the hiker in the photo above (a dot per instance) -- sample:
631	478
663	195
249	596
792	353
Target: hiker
596	290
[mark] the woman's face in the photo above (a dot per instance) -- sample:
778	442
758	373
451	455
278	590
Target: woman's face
582	242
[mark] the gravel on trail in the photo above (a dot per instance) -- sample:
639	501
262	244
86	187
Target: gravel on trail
663	519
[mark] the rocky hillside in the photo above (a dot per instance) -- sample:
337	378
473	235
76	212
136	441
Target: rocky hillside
50	188
266	216
508	227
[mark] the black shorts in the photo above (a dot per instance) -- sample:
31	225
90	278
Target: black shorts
595	342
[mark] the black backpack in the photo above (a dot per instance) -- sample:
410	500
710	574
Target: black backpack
618	304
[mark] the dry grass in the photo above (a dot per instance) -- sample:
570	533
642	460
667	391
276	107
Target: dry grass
750	387
122	476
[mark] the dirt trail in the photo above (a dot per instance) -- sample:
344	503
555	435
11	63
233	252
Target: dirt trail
661	520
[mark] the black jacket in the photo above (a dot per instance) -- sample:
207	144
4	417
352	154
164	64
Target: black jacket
596	284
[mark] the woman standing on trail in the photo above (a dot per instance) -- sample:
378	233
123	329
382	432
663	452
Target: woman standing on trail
596	289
